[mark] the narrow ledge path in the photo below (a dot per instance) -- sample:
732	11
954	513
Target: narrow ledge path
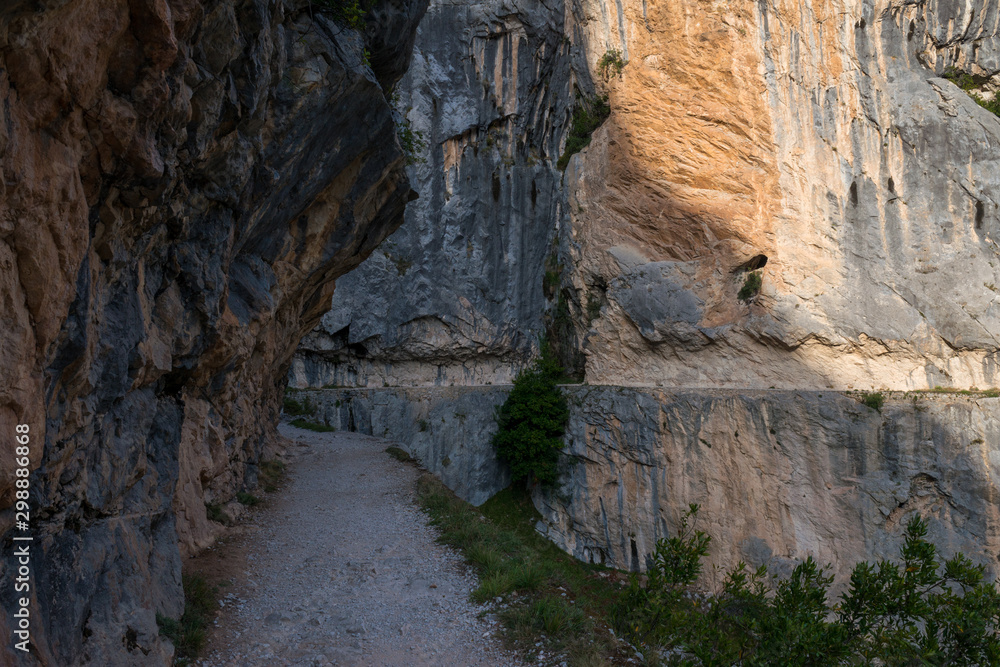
341	568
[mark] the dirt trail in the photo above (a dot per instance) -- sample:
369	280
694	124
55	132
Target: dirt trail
341	569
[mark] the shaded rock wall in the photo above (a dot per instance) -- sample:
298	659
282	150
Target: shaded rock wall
182	181
456	295
778	475
448	429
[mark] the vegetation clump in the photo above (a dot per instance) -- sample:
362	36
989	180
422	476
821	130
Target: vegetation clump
188	633
215	513
553	603
593	305
751	286
919	611
587	117
350	13
248	499
874	400
271	475
532	422
411	141
399	454
973	86
611	64
312	426
298	408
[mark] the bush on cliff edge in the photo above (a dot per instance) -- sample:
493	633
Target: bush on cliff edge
532	422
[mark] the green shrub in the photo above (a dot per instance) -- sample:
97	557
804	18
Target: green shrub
873	400
917	612
964	81
312	426
350	13
751	286
611	64
188	633
297	408
993	105
247	499
532	422
588	115
411	141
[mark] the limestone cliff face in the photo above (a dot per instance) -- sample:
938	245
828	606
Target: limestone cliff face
778	476
182	181
456	296
814	142
817	136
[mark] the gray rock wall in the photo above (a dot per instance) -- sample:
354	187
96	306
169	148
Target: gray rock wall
456	295
778	475
448	429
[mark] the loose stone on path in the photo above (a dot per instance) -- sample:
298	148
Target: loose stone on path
342	569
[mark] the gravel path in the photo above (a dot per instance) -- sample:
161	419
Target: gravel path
342	569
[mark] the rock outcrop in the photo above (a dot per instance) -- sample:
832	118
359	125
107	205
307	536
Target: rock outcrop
818	144
815	144
822	147
182	181
456	296
778	476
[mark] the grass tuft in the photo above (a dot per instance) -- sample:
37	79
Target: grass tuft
272	475
189	632
552	598
215	512
399	454
248	499
312	426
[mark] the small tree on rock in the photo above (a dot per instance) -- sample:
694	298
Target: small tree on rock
532	422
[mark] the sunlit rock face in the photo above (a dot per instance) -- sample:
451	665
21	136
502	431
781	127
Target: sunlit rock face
182	181
818	137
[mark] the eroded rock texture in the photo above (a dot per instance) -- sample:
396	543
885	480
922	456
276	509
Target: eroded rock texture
817	136
456	295
182	181
779	476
